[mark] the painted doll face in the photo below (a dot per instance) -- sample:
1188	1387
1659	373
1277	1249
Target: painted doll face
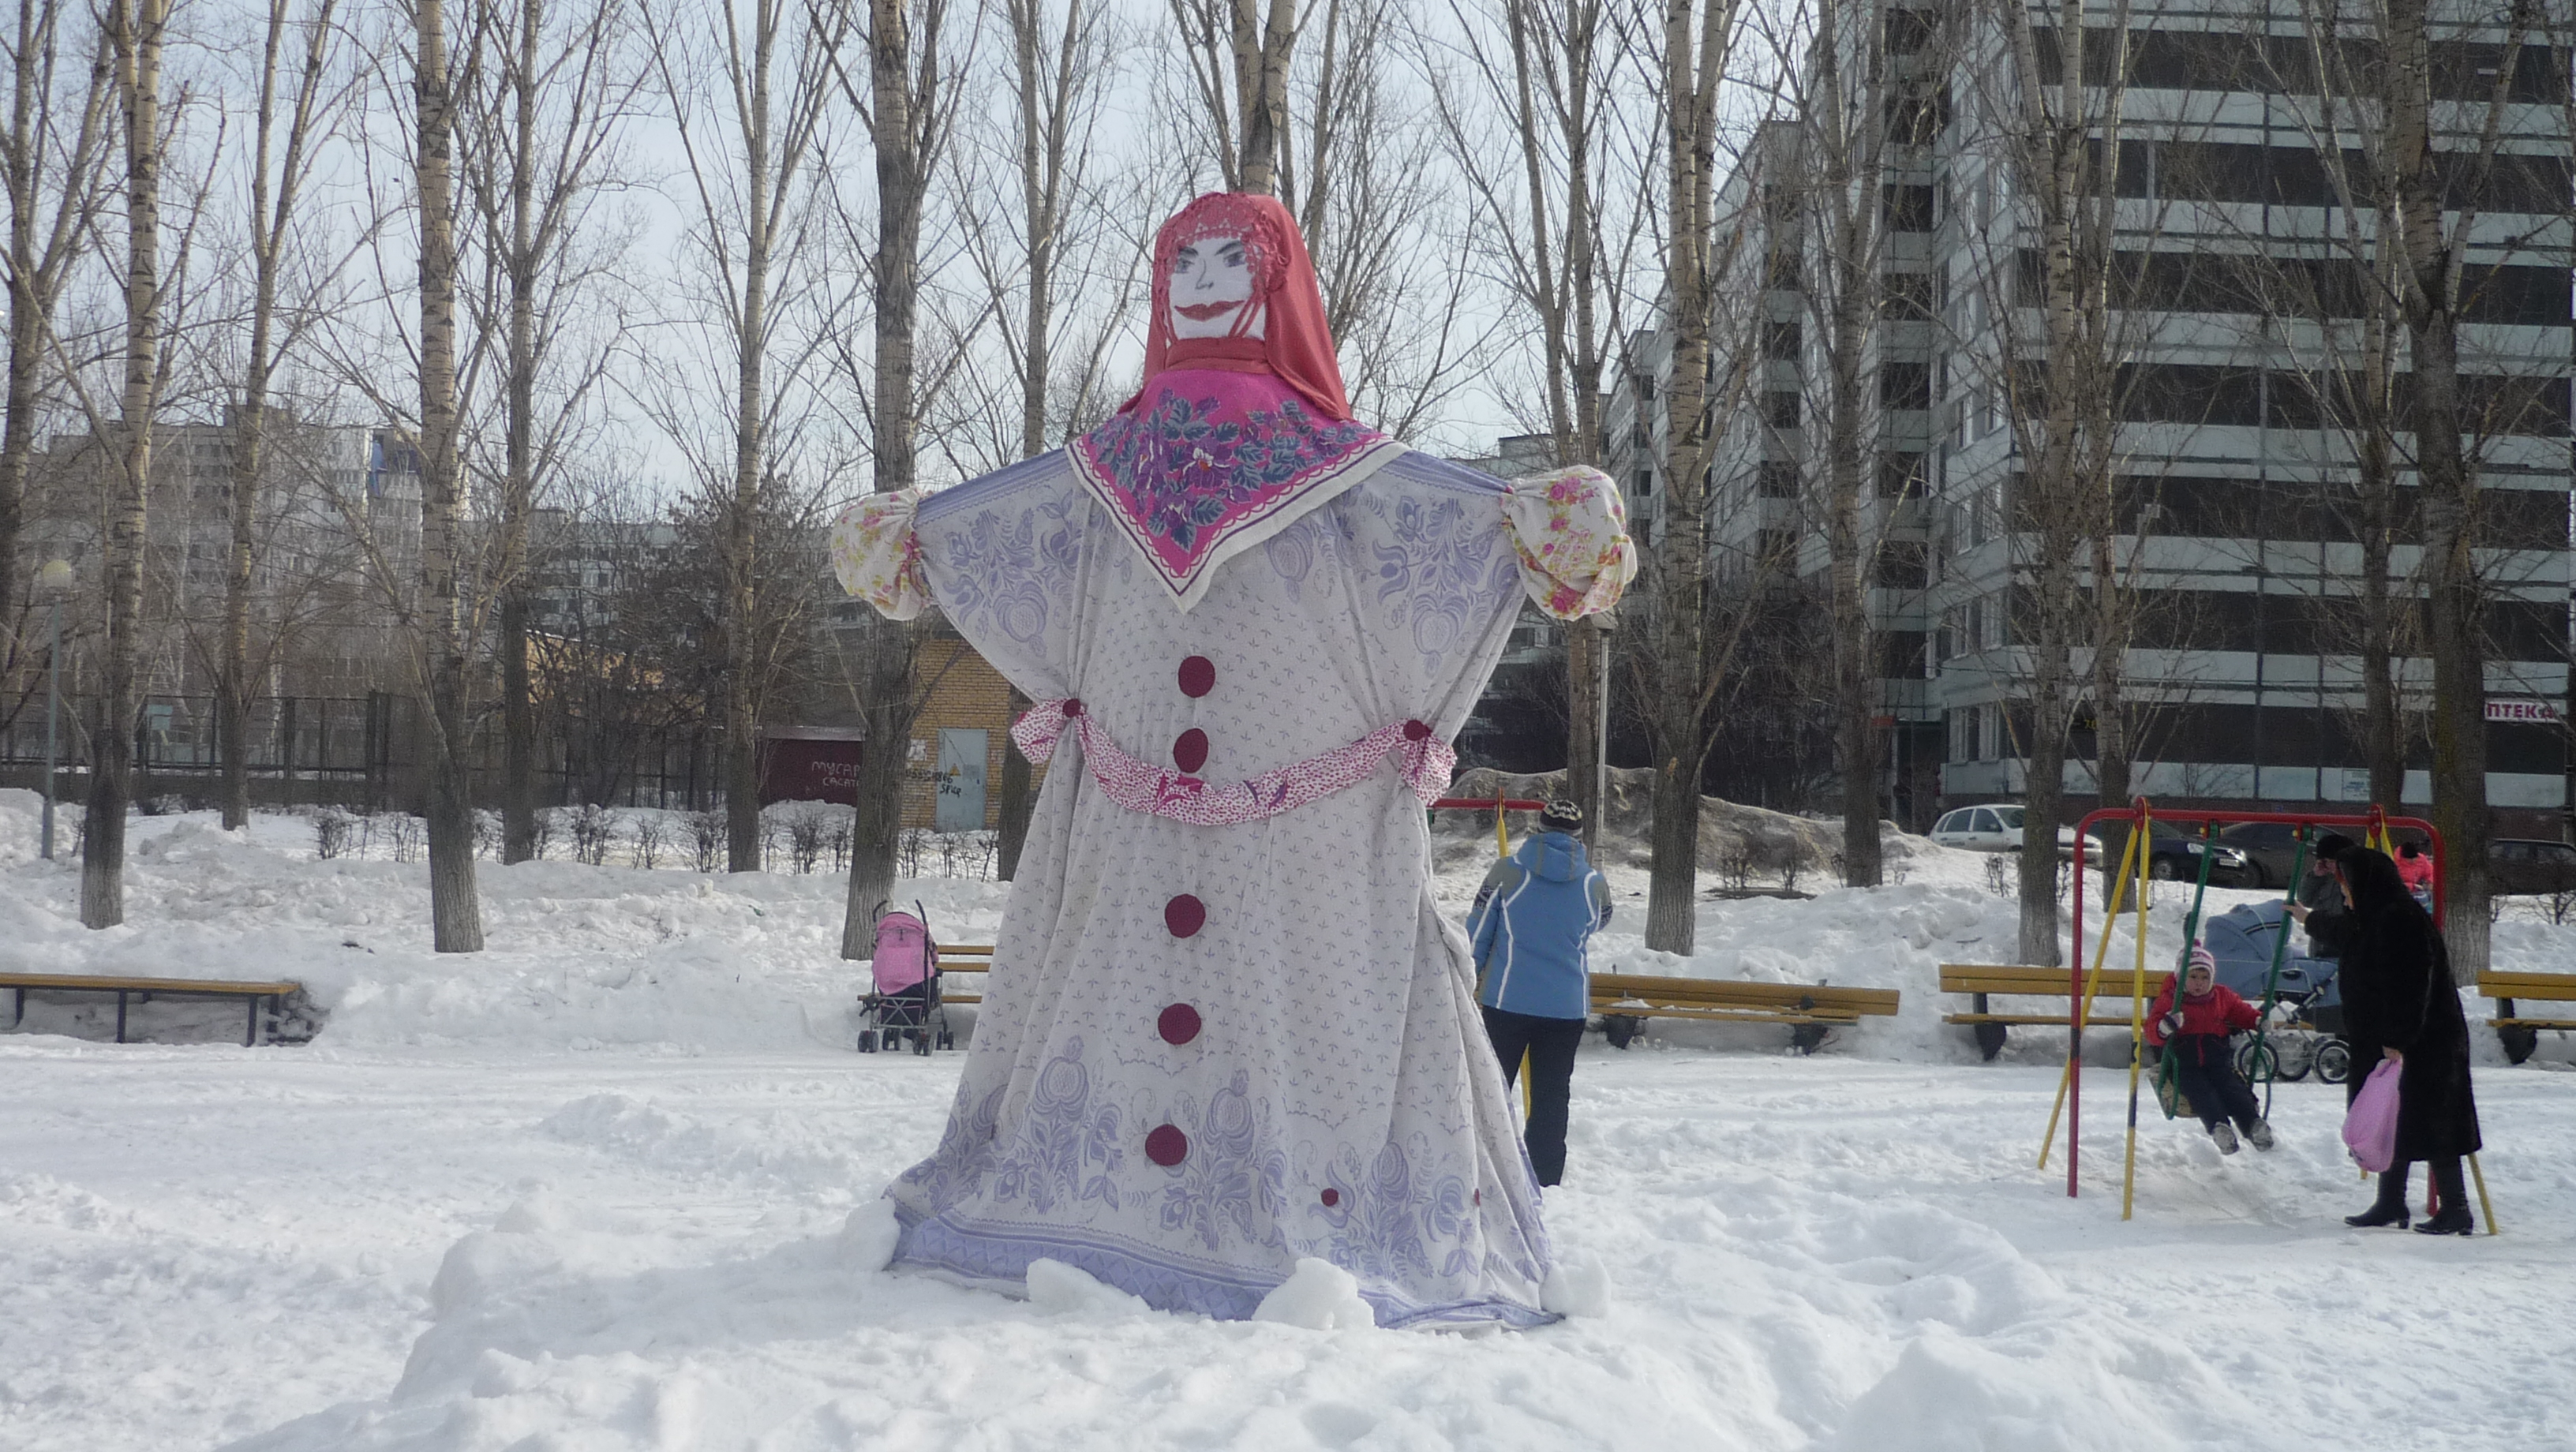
1212	289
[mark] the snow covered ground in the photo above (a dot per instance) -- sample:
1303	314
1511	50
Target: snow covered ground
614	1185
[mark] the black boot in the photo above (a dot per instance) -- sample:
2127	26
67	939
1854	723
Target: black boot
2390	1207
2453	1217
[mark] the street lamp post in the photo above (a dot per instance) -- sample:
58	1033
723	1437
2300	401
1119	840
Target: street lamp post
54	580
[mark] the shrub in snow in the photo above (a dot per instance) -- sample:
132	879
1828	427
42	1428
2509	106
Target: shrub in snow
593	827
707	835
1320	1296
330	833
647	851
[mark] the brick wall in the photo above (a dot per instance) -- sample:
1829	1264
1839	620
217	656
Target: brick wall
965	693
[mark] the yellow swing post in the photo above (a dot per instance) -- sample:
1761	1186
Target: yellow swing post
2484	1203
2092	986
2137	1027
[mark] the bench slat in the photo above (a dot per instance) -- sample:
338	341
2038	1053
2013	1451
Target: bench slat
2532	1023
1612	988
2556	987
98	983
2037	1020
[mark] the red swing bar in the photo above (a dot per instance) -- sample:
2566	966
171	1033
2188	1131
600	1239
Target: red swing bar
2139	810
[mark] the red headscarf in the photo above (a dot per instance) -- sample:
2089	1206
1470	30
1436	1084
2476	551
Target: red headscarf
1295	345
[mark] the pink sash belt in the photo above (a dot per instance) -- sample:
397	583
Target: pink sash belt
1423	759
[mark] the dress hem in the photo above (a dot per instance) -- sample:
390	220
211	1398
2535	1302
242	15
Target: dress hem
980	1259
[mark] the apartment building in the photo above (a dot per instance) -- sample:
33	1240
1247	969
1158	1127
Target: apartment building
2240	283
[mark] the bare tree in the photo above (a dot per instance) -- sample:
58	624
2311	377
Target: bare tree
53	160
1697	38
1238	62
909	111
1058	76
456	915
135	30
1558	86
541	147
754	151
277	189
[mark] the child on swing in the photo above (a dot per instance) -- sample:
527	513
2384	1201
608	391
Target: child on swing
2193	1033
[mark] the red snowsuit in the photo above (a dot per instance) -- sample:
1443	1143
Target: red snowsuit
2217	1013
2203	1070
2417	873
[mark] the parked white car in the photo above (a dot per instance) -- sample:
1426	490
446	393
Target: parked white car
1996	827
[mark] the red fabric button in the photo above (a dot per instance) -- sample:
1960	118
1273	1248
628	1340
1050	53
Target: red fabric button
1198	676
1332	1198
1179	1024
1480	1197
1167	1146
1415	731
1184	915
1189	752
1073	705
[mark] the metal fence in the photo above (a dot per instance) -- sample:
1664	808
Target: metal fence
357	751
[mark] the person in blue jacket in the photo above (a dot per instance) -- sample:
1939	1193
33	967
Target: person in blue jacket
1532	927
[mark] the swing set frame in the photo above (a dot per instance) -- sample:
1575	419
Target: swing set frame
2374	827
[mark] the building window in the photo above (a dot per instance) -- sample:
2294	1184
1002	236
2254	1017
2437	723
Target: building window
1645	485
1905	385
1777	479
1902	474
1781	341
1908	297
1907	208
1780	408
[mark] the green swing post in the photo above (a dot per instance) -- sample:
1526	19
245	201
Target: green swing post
2261	1061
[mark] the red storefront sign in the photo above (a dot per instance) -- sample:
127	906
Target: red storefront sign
815	764
2542	713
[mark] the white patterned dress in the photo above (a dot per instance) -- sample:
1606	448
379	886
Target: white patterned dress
1208	1049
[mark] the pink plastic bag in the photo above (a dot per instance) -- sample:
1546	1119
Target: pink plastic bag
2370	1126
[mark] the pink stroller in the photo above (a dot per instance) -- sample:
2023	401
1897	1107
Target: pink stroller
906	1002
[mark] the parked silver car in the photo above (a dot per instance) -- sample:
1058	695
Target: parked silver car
1996	827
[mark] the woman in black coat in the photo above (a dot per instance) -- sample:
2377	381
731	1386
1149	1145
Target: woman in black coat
2400	1002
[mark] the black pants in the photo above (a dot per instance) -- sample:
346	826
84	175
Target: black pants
1550	1043
2449	1186
2204	1075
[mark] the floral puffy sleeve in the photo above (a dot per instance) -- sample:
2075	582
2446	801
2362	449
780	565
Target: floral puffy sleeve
1571	533
877	555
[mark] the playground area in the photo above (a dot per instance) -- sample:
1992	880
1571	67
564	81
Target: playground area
613	1186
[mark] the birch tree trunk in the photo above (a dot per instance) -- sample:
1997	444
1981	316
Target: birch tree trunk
2455	639
456	915
1697	34
899	123
135	29
518	476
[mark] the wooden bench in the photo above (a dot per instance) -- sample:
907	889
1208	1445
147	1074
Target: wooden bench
963	958
147	989
2520	1033
1626	1000
1986	981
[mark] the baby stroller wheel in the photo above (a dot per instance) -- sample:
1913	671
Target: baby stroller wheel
2334	1061
867	1041
947	1040
921	1042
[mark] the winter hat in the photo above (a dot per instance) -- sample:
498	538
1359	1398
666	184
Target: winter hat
2334	847
1561	816
2202	959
